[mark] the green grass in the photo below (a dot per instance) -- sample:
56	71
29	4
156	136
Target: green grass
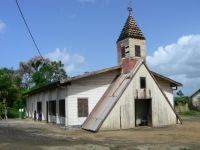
184	149
190	113
111	148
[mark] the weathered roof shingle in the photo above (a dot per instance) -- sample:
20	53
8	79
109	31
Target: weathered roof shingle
130	30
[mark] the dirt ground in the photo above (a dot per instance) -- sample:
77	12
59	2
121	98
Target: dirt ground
25	134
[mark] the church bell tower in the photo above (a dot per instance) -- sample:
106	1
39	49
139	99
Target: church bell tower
131	43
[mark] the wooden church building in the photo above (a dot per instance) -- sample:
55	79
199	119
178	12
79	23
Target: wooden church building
121	97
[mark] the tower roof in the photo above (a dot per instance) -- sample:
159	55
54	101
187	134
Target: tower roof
130	30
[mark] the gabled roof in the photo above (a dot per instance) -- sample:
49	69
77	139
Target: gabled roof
90	74
130	30
68	80
172	82
107	102
195	93
44	87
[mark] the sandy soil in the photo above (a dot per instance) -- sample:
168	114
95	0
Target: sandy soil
25	134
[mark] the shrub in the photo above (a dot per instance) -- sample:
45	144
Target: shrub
190	113
11	113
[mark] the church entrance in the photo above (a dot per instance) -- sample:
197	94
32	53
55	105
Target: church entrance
143	112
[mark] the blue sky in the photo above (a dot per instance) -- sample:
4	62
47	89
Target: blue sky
83	34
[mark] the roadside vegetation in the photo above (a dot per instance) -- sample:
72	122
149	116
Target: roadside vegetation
185	106
14	84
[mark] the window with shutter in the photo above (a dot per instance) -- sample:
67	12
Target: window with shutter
137	51
82	107
123	52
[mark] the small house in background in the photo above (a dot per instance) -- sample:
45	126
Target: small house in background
182	106
196	99
120	97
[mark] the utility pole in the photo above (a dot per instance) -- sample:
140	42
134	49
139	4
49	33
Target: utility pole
5	110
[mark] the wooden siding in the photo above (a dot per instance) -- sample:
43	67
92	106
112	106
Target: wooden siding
122	43
131	43
55	94
141	43
91	88
196	99
166	89
162	113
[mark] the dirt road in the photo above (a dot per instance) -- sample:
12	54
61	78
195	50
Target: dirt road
26	134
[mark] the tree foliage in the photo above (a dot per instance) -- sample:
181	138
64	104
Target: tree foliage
32	74
9	88
181	98
37	72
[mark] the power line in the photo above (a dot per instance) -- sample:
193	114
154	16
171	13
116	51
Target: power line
29	30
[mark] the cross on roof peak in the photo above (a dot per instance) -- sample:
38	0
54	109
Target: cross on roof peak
129	8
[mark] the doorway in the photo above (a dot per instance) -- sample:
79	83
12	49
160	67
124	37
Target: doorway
47	112
143	112
39	107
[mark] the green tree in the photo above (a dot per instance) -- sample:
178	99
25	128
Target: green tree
180	94
27	69
48	73
38	72
9	88
181	98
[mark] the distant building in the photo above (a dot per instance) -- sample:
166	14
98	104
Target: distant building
120	97
196	98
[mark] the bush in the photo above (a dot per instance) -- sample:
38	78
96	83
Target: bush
11	113
190	113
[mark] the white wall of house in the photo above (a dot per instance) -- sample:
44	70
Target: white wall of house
196	99
44	97
92	88
61	92
166	89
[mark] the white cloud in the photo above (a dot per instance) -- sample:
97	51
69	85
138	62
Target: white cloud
87	1
179	61
2	26
72	62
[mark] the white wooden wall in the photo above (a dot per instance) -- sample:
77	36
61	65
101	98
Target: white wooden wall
131	43
93	88
196	99
141	43
167	90
61	95
162	113
44	97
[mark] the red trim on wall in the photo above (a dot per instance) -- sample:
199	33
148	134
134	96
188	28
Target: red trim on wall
119	48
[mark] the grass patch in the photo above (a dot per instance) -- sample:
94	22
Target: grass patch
190	113
184	149
111	148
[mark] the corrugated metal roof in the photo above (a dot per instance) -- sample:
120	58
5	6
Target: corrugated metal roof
107	102
44	87
68	80
172	82
90	74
